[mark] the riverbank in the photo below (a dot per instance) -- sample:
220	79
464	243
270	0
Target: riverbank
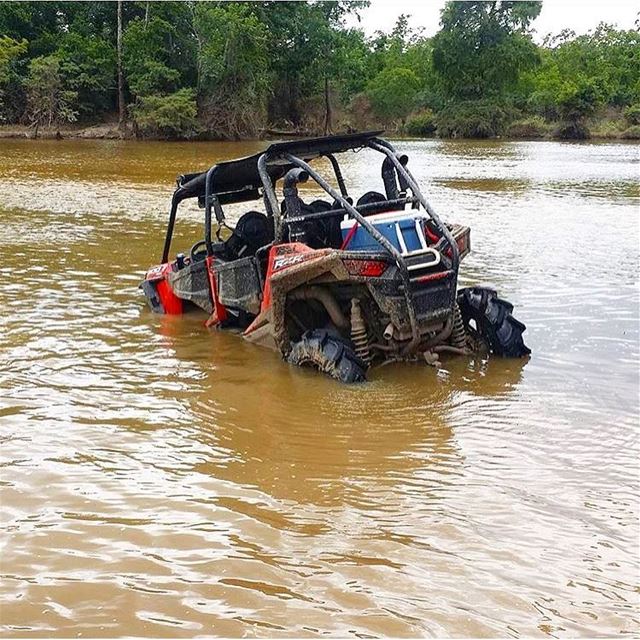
528	129
103	131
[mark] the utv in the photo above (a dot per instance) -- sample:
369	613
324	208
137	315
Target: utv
338	284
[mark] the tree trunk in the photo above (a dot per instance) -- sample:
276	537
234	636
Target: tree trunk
328	116
121	113
196	34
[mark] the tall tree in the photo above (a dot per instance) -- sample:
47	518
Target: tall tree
483	47
121	105
49	102
234	74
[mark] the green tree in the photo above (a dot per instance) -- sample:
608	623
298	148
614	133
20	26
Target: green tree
89	67
10	51
233	69
167	116
147	46
606	59
483	47
393	93
309	50
576	103
49	102
406	47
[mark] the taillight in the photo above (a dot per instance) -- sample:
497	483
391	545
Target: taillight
366	268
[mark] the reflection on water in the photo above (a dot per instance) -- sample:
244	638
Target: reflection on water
162	480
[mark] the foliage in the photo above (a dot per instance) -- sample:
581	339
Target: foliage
153	78
88	65
232	68
473	119
578	101
632	114
146	48
169	116
531	127
606	129
393	93
632	133
606	59
421	124
483	47
572	130
251	66
10	51
307	45
49	102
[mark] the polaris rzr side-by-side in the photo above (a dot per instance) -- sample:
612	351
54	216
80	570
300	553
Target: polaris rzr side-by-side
339	283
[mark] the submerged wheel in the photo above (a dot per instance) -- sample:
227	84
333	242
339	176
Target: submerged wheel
328	354
493	322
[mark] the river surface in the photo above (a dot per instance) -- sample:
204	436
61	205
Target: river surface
162	480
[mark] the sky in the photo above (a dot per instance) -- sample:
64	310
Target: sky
579	15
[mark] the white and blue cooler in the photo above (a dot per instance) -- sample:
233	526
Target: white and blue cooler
404	230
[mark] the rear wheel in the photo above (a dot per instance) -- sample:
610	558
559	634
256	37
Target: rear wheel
488	318
328	354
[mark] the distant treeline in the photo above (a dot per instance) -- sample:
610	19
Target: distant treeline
240	69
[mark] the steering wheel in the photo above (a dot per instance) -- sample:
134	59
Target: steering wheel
195	248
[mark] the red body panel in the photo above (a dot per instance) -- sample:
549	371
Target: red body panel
219	312
171	304
282	256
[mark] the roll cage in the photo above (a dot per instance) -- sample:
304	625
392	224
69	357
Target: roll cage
254	177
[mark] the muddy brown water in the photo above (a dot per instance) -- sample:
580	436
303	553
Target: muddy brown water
161	480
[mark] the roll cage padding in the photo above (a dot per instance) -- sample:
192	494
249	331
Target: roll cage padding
389	175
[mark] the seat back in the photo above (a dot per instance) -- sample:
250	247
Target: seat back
252	231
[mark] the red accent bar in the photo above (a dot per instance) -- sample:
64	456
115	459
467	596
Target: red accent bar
219	312
352	232
432	276
365	268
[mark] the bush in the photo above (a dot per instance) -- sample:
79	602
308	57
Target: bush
572	130
632	133
49	102
606	129
533	127
478	119
421	124
578	101
172	116
393	93
632	114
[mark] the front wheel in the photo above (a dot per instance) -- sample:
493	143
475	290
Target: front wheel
328	354
488	318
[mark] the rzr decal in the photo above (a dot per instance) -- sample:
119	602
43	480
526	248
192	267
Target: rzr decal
287	261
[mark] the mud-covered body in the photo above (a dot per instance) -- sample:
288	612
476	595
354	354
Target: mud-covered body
290	280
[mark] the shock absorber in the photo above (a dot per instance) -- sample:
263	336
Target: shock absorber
359	335
458	337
